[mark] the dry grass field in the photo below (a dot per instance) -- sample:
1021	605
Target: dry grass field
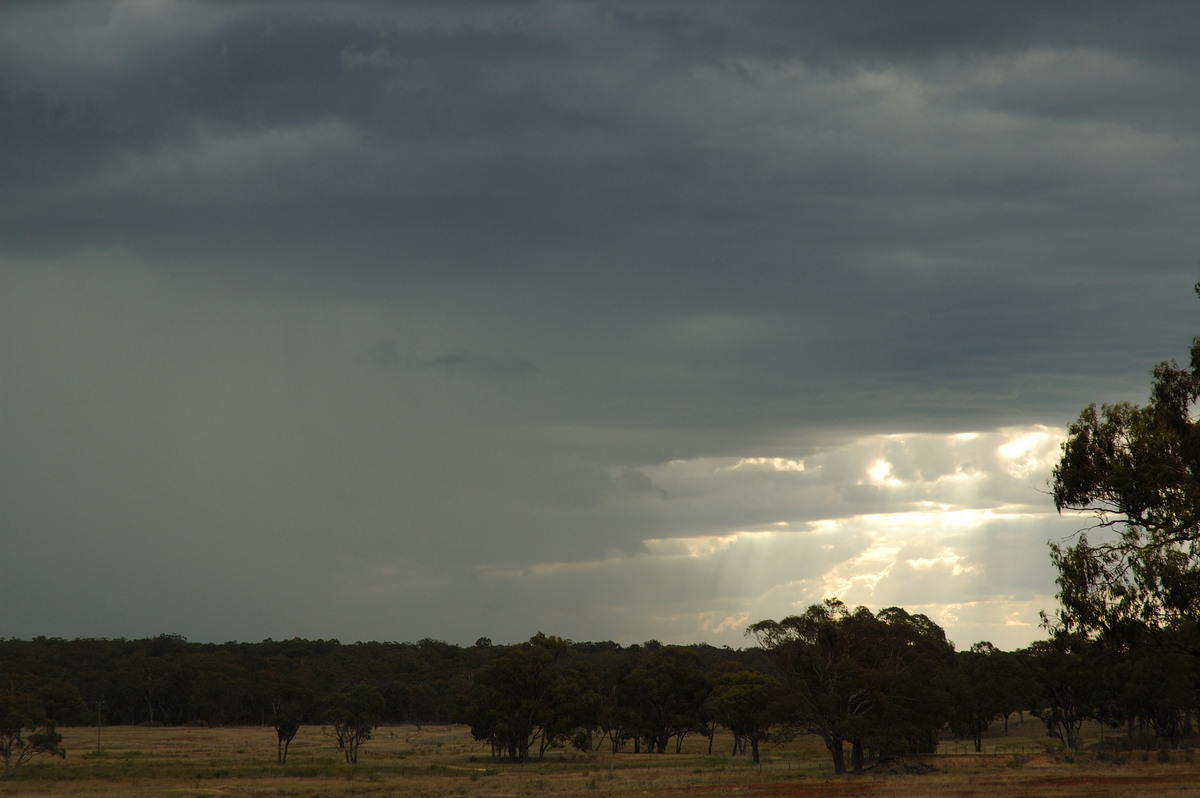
135	762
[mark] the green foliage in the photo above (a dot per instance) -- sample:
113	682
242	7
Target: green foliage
663	697
1158	687
352	713
749	704
979	691
1131	580
531	695
895	684
1070	676
1136	472
25	732
291	703
873	681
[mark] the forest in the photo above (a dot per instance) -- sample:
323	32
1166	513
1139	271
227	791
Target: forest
874	684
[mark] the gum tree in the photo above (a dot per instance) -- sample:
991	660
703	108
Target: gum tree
665	697
353	712
873	681
749	704
531	695
1135	471
25	732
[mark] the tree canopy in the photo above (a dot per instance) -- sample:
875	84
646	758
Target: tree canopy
352	713
25	732
530	695
863	679
1135	470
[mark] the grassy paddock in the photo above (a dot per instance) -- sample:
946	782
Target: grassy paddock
435	761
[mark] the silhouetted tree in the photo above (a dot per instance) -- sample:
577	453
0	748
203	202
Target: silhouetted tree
26	732
529	695
352	713
664	696
862	679
1136	471
978	691
1069	684
749	704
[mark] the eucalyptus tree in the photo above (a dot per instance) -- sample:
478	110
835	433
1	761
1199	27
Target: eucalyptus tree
1135	472
664	696
749	704
290	703
531	694
978	691
26	732
352	713
1069	684
873	681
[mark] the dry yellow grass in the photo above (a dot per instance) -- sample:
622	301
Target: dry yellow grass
136	762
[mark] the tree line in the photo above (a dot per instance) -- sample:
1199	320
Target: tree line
870	685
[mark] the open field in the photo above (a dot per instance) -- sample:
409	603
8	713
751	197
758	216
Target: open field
137	762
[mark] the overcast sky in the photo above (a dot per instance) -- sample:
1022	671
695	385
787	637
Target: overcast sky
628	321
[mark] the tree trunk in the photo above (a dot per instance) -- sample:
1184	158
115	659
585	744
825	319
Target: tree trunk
856	756
839	756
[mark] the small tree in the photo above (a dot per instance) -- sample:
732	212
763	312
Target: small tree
289	700
25	732
748	704
1159	687
977	689
1069	680
287	714
353	713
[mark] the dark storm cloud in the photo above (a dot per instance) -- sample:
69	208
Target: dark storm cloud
398	294
385	354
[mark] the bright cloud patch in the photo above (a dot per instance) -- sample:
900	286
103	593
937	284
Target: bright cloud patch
881	473
947	558
1034	452
768	463
954	526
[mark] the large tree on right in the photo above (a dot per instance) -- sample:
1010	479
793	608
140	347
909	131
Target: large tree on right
1135	470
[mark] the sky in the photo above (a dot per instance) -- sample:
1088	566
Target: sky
611	320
